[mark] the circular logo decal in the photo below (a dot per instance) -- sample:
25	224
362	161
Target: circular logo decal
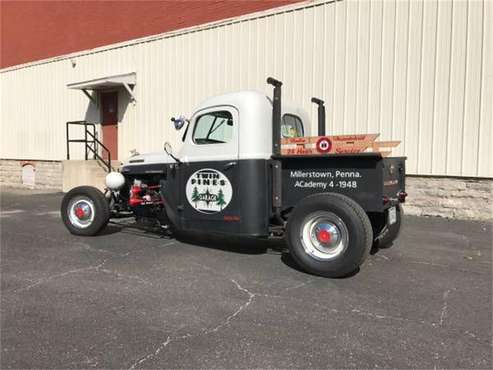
209	191
324	145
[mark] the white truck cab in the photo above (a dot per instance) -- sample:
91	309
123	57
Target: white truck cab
238	126
232	126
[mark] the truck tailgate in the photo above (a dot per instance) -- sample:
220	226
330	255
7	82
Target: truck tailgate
394	176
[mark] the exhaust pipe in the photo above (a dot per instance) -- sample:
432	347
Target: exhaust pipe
276	151
321	115
276	115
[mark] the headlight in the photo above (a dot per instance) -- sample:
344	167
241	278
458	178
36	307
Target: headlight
114	180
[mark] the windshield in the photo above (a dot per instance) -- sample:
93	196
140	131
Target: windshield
213	127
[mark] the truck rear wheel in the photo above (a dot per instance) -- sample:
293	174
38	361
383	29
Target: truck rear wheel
85	211
329	235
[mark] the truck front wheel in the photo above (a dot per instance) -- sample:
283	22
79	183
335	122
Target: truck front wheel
85	211
329	235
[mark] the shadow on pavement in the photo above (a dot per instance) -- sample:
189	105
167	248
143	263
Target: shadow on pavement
290	262
232	244
110	229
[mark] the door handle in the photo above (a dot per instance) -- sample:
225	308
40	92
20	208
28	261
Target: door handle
229	165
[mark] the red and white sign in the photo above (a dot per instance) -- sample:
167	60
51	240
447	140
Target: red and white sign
336	144
324	145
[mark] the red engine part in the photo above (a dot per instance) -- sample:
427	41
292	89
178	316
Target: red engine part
144	195
135	198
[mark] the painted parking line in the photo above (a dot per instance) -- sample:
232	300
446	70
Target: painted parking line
5	214
48	213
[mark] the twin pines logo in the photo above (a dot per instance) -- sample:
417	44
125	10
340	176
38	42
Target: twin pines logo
209	191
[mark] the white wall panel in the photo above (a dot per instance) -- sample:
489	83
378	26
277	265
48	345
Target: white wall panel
413	70
375	66
485	152
470	132
442	87
427	87
399	101
457	87
387	68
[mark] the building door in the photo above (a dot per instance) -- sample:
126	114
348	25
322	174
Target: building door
109	123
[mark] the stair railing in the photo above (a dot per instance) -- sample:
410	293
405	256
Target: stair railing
91	143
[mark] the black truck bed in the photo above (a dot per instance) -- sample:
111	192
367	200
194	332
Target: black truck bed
365	177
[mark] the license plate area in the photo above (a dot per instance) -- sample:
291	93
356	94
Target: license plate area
392	218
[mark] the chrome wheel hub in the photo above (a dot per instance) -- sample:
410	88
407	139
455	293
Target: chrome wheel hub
324	235
81	212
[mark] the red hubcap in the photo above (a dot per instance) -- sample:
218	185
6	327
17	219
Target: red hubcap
323	236
79	212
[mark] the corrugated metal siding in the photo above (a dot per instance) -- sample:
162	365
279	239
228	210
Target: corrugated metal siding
416	71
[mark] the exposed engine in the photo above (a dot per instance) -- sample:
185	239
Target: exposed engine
143	197
142	194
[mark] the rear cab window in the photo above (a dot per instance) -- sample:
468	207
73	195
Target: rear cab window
291	126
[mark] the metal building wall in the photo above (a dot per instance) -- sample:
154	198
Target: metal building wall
416	71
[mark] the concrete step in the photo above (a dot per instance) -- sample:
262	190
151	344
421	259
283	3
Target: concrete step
81	172
97	164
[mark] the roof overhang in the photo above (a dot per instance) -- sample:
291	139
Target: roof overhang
127	80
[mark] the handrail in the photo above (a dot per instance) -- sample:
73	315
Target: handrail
87	147
108	161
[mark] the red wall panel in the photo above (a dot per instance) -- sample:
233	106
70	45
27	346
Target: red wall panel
34	30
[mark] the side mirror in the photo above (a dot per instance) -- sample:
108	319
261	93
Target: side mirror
169	151
168	148
178	122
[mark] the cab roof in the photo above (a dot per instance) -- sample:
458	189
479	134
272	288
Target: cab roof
247	100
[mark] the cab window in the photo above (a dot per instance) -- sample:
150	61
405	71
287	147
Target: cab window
213	128
291	126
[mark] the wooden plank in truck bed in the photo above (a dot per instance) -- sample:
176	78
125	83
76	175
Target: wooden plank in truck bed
336	144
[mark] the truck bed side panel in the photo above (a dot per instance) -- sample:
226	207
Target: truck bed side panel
358	177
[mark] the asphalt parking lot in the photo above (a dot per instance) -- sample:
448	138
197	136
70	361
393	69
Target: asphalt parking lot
131	299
